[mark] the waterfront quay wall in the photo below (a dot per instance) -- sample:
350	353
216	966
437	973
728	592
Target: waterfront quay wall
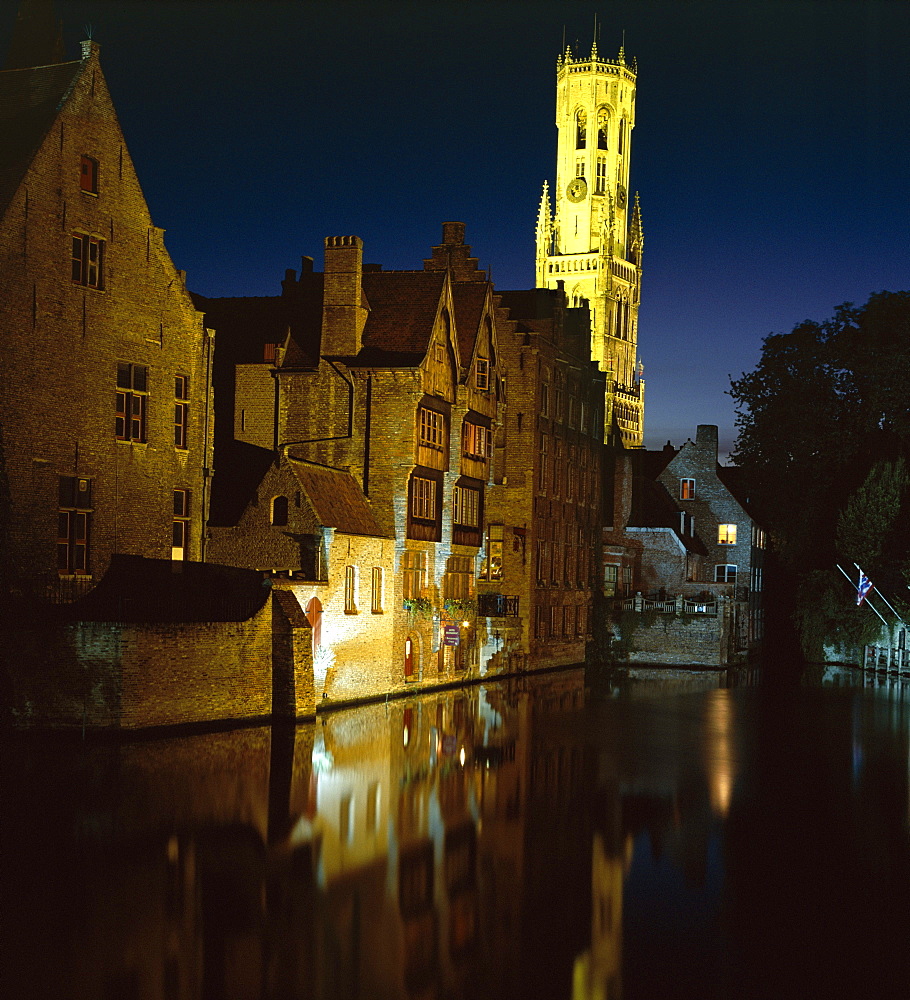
244	654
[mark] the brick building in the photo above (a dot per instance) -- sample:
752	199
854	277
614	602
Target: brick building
682	545
544	511
105	406
393	379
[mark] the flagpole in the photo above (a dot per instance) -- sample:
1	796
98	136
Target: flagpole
885	599
868	602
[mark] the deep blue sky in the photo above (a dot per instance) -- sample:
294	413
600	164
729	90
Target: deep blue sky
772	150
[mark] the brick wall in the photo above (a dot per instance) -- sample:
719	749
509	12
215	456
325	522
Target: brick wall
61	341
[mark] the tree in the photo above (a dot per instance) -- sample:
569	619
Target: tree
823	438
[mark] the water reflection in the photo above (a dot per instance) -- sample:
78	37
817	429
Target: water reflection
531	838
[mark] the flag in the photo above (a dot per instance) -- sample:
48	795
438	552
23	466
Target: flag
862	588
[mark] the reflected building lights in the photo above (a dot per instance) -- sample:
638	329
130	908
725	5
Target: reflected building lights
721	759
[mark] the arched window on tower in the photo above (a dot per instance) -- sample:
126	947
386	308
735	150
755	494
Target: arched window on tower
581	129
603	129
622	137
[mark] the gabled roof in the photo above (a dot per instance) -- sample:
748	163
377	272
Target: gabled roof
469	298
337	500
403	309
29	102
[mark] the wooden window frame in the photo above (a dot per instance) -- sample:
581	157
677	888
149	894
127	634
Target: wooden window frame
87	267
88	174
180	530
131	403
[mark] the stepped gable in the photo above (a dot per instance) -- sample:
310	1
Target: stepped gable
403	307
337	500
29	102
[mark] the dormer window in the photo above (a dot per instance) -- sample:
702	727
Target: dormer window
88	175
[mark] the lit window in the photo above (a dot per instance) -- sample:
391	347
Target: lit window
181	410
687	489
611	577
88	261
181	525
477	441
376	591
350	590
725	573
726	534
482	373
131	403
423	498
466	506
88	175
493	569
73	525
431	428
279	516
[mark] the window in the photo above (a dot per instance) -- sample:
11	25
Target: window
580	168
181	410
581	129
600	176
181	525
279	518
432	428
466	506
622	137
725	573
476	440
423	498
350	590
459	577
482	373
493	569
131	403
726	534
611	577
88	261
544	399
603	129
88	175
73	525
544	463
413	570
687	489
376	591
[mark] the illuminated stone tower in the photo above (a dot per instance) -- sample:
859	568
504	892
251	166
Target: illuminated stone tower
592	240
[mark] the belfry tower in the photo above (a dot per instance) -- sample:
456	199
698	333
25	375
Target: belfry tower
592	241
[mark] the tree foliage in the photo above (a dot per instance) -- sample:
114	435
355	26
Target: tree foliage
823	440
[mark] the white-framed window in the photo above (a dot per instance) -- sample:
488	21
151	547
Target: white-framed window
466	506
350	590
687	489
725	573
726	534
423	498
432	428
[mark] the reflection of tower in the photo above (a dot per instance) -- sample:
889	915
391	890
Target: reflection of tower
593	241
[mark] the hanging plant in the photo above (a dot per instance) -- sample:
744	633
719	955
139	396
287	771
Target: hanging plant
418	607
460	609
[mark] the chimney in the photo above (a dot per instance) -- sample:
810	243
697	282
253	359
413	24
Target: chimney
706	439
452	233
344	314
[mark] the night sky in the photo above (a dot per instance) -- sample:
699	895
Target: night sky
771	150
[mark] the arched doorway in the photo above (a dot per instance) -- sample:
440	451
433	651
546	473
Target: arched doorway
409	657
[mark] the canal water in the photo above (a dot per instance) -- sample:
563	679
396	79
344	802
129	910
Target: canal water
638	835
